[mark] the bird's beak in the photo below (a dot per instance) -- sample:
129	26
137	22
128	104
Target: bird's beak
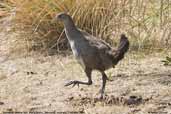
54	19
57	16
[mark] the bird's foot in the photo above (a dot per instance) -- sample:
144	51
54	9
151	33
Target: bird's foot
101	96
73	83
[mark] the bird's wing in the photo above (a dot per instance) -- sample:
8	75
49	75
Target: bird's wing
96	42
104	50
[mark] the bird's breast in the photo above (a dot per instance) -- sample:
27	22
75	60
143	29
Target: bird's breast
77	53
74	48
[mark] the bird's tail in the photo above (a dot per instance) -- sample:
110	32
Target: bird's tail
121	50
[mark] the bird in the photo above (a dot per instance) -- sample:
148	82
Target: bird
91	52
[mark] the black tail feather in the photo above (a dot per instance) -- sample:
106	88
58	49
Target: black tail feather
122	49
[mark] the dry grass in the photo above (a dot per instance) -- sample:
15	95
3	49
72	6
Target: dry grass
147	23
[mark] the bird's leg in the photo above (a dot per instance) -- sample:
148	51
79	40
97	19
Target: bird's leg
75	82
104	78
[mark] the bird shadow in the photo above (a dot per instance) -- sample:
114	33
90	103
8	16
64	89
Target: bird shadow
108	100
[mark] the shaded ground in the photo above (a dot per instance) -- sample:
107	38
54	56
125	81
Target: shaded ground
36	83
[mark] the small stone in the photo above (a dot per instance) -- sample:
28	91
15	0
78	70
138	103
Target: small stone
70	98
1	103
81	89
10	109
133	100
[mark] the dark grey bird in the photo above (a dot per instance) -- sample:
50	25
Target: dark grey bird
91	52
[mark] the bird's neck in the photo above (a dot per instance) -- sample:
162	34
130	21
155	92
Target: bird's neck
71	30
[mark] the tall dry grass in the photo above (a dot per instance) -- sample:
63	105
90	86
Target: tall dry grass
147	23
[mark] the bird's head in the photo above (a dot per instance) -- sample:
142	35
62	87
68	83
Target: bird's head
63	17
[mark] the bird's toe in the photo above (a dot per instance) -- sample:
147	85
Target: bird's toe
73	83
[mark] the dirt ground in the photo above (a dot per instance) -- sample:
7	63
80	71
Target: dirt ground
141	84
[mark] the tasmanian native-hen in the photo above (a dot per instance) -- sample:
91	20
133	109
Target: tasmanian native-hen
91	52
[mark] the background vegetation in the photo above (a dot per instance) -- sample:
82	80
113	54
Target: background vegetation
147	23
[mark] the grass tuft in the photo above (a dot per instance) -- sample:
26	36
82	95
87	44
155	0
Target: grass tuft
146	23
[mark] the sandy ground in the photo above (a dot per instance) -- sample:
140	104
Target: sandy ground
141	84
